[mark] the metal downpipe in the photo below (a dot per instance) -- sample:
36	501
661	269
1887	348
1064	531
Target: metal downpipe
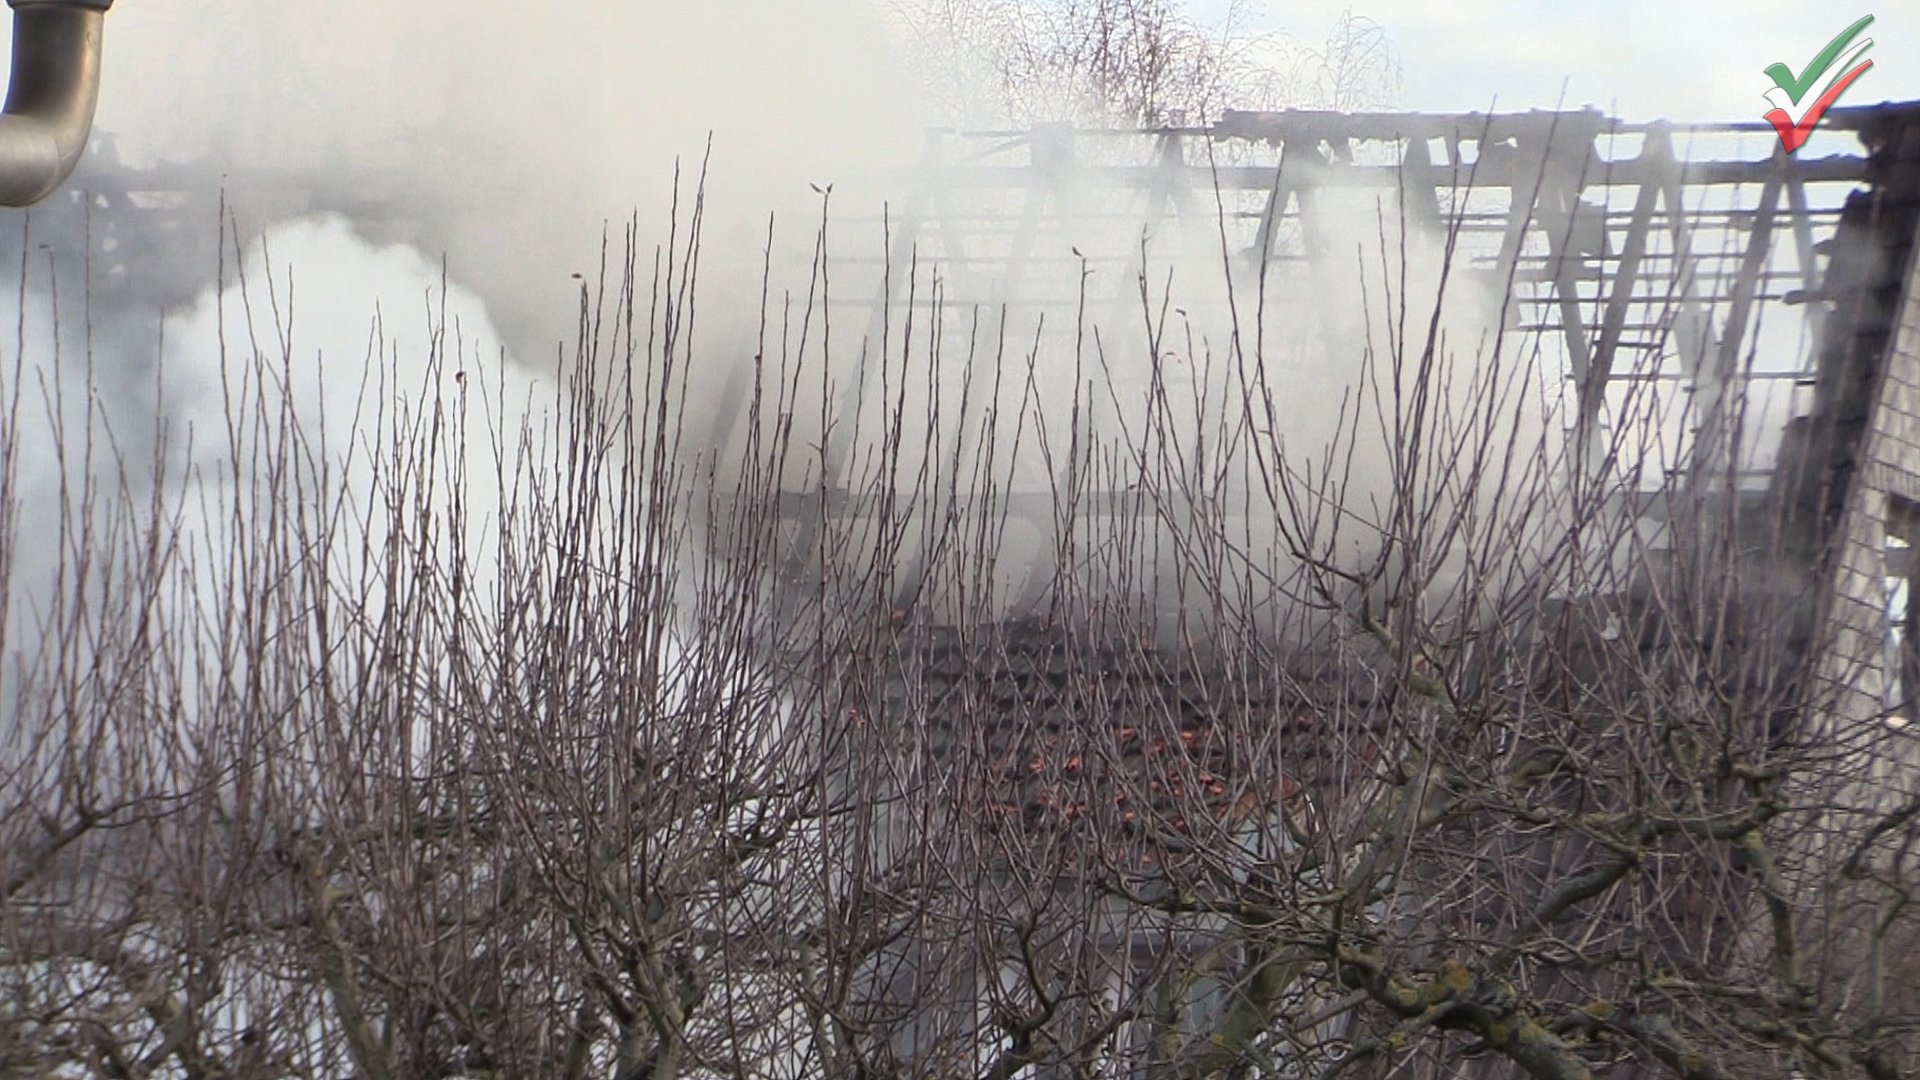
51	94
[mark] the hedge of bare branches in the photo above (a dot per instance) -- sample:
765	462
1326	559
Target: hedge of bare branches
635	770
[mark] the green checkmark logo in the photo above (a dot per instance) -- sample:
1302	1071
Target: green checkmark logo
1796	86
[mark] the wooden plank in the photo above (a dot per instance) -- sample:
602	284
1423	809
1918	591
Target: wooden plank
1711	395
1626	276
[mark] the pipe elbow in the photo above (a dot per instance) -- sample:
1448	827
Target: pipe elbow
52	91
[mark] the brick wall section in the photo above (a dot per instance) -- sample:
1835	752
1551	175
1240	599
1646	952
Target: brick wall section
1895	447
1853	675
1898	473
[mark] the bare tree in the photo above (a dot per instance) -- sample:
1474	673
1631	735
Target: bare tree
1462	776
1132	63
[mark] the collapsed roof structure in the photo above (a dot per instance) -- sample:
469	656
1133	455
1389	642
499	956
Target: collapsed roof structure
1176	797
1755	309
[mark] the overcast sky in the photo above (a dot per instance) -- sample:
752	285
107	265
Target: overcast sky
1638	59
1641	59
1681	59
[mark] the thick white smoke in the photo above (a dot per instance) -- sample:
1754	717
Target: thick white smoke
350	344
286	391
514	133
